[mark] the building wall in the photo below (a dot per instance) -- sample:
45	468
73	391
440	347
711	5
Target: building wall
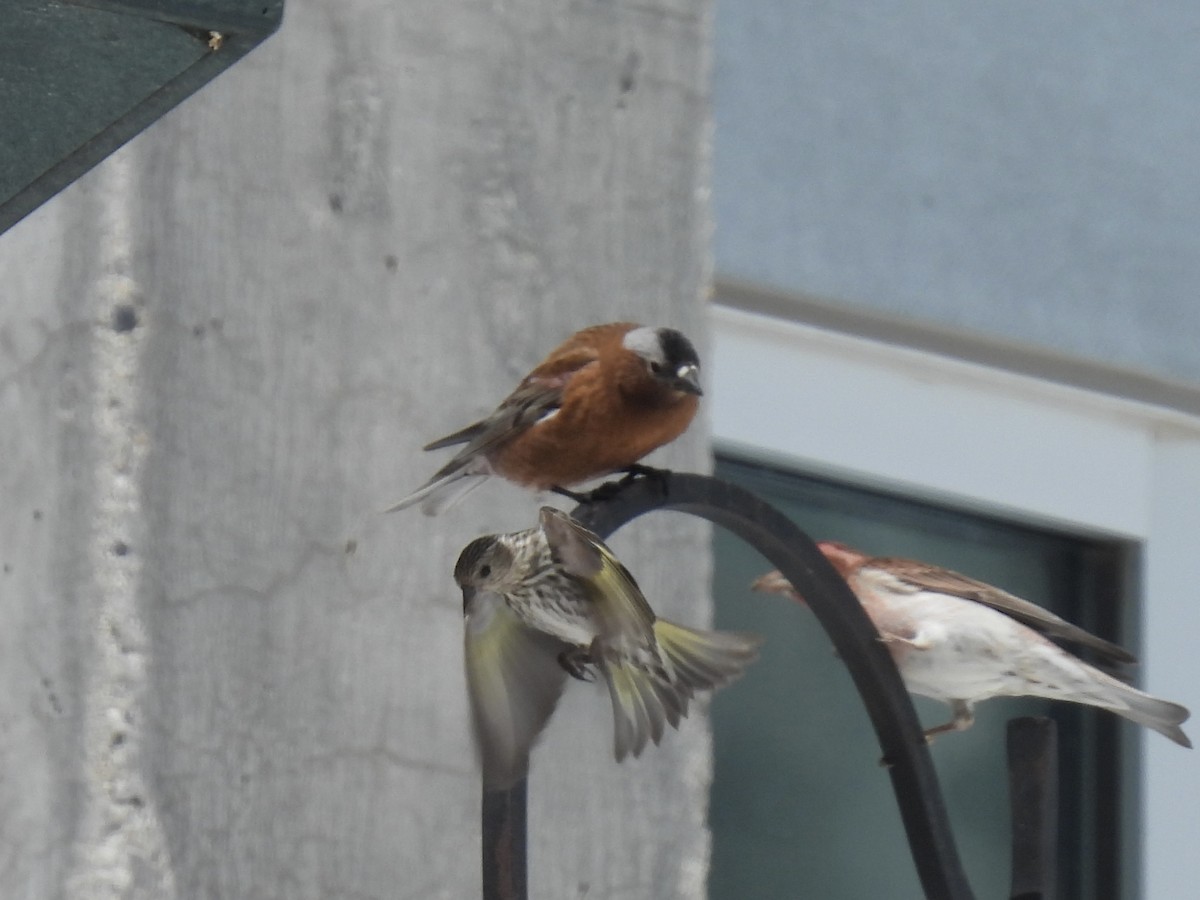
1021	171
1009	189
226	674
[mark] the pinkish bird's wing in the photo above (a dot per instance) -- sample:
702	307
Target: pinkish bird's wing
514	681
935	578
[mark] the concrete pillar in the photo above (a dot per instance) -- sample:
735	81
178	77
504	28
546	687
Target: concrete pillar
226	674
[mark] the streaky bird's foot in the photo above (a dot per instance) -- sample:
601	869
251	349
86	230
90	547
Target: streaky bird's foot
577	663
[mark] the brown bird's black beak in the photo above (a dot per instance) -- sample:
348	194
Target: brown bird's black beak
687	379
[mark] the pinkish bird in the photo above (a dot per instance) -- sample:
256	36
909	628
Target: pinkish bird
960	641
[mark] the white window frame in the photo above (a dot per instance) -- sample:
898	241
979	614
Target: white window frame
998	442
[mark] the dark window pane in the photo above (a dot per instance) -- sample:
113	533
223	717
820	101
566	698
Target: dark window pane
800	806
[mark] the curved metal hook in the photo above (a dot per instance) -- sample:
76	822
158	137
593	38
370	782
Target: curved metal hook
857	642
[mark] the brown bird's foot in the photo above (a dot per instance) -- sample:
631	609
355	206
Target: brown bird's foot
573	495
606	491
658	476
577	663
610	489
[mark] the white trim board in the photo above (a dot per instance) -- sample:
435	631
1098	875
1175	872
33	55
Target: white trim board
1002	443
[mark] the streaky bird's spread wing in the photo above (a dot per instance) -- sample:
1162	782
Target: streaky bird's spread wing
621	608
514	681
644	697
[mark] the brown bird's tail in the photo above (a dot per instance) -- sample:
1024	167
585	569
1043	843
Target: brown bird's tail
440	493
646	697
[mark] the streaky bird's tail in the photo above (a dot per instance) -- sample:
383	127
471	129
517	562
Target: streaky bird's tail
647	697
705	660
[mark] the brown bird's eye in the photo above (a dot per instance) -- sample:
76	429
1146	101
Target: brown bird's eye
485	570
657	368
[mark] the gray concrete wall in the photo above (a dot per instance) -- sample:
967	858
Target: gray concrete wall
225	674
1021	170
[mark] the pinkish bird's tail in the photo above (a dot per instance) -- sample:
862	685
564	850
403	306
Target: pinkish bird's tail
647	698
1074	680
1161	715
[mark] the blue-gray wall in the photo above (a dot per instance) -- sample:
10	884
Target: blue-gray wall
1024	171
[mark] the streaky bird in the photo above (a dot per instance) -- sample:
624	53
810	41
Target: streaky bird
553	601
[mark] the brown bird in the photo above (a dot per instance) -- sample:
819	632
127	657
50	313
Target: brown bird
961	641
553	600
597	404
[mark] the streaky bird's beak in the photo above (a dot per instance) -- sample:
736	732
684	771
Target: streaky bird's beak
469	592
687	379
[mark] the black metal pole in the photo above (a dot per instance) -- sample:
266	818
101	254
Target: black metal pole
888	704
1033	797
887	701
504	834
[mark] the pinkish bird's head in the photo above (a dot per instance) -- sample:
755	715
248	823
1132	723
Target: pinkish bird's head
774	583
842	557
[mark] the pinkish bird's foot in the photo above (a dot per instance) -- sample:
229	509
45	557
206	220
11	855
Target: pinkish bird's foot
915	643
963	719
577	663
